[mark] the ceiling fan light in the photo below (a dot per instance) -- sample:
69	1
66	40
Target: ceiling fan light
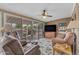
44	17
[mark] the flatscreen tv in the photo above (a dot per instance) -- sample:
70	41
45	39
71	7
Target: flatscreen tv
50	28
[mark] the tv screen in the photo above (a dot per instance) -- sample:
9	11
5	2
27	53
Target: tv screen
50	28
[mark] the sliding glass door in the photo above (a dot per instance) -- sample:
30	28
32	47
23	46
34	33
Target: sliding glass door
35	31
41	30
27	30
16	23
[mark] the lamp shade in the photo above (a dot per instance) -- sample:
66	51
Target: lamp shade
73	24
1	29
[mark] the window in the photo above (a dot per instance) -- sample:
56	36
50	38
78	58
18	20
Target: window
27	29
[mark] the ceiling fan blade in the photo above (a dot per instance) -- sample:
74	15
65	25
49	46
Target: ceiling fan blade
49	16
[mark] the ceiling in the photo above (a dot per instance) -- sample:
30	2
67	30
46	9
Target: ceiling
57	10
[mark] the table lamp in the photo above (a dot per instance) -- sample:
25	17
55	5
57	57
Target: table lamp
74	25
1	29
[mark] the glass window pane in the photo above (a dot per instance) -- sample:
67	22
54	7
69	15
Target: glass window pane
16	23
35	31
41	30
26	30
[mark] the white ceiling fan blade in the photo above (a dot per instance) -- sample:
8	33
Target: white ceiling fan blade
49	16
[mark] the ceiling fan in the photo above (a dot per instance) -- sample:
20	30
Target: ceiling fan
45	14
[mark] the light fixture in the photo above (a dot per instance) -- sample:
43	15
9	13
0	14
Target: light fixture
1	29
44	17
73	25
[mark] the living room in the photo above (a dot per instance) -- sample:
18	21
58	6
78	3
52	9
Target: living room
27	21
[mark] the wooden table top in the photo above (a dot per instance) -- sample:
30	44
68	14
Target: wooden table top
63	48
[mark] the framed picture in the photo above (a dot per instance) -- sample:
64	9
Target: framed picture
62	27
62	24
